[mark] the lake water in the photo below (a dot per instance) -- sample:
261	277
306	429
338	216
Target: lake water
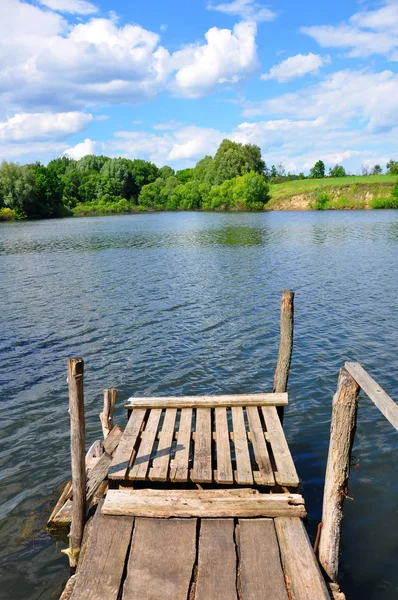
188	303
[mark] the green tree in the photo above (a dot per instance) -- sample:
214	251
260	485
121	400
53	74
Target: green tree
337	171
119	169
17	189
392	167
185	175
318	170
377	170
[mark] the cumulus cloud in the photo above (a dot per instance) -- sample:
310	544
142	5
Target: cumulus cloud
249	10
184	144
227	57
366	32
47	63
297	66
341	97
82	149
80	7
37	126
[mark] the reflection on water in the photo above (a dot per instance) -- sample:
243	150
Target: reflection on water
188	303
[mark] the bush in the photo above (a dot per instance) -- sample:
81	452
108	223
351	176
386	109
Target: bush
7	214
320	199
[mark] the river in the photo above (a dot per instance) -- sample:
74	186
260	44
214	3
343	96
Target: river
188	303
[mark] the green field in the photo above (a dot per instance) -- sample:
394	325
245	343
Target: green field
370	191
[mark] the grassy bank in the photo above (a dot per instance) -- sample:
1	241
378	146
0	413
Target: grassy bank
373	191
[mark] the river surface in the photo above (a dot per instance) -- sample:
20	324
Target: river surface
188	303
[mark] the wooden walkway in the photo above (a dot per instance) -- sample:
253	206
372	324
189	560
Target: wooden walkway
177	523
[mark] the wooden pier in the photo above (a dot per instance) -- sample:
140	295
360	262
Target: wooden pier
198	498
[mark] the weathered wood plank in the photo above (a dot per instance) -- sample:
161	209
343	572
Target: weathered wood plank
242	455
384	403
273	399
224	465
101	572
216	578
161	560
286	471
97	474
121	459
261	574
113	439
260	446
302	573
202	467
161	461
179	466
342	432
140	466
127	502
183	494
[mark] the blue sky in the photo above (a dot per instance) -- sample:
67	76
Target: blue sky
168	80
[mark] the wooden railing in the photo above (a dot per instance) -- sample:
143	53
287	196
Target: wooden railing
352	378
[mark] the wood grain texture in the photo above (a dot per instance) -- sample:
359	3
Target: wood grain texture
286	471
127	502
179	466
224	464
100	575
161	560
342	432
121	459
216	577
97	474
77	450
261	574
242	455
160	468
384	403
202	460
303	576
260	446
286	342
113	439
271	399
140	466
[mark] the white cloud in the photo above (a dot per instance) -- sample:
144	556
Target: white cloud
365	33
249	10
369	98
36	126
226	58
80	7
186	143
82	149
297	66
47	64
166	125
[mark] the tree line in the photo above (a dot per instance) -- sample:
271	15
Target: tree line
236	178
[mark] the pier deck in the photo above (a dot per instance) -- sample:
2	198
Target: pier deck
177	523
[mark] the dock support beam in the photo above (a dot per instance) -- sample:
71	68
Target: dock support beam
106	417
285	345
77	449
342	432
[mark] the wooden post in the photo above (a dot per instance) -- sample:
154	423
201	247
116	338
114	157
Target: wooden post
285	345
106	416
77	448
342	432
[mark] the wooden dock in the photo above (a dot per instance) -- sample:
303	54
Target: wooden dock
223	523
199	499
